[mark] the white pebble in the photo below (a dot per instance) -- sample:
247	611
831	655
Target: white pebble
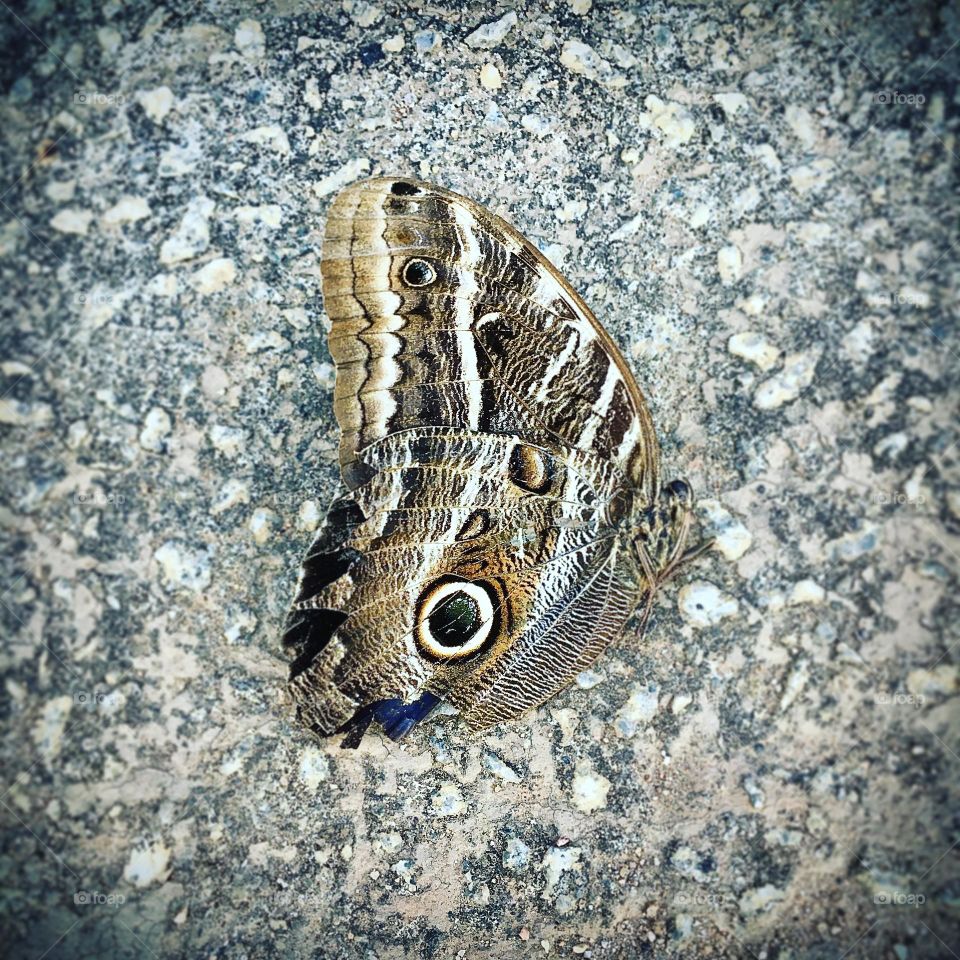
785	386
214	276
72	220
156	428
490	78
704	605
156	103
755	348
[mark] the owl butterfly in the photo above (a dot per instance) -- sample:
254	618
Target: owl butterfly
503	514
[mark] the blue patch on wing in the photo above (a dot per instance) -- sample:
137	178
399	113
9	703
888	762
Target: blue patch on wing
396	717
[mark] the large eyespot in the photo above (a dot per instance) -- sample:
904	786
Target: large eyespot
455	618
530	469
418	273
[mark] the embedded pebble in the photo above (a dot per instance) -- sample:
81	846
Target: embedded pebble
488	35
516	854
806	591
760	899
582	59
148	865
673	120
731	103
703	604
227	440
214	276
271	135
156	103
261	524
589	788
156	428
354	170
448	801
232	493
192	235
314	768
309	516
72	220
732	538
784	387
126	210
490	77
755	348
248	38
183	567
641	707
729	264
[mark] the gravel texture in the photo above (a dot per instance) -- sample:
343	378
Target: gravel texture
759	201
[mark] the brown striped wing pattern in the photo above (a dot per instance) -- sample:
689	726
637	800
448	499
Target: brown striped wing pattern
498	460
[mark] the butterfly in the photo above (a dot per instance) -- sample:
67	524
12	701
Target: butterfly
502	514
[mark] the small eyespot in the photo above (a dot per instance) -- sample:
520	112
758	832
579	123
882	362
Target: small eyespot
530	469
418	273
402	189
455	618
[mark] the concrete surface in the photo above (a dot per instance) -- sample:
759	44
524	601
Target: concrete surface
759	201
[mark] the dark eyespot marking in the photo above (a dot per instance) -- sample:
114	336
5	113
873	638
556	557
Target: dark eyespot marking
454	621
455	618
477	524
401	189
419	273
530	469
619	507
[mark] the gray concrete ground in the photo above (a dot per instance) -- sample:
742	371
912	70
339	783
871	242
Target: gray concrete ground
759	201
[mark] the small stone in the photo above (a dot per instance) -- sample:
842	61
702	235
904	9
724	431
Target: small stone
214	276
61	191
242	623
488	35
426	41
156	103
812	176
490	78
362	13
797	374
500	769
793	687
309	516
755	348
148	865
760	899
731	538
673	120
448	801
639	710
590	789
516	854
192	235
126	210
680	703
20	413
703	604
753	791
806	591
588	679
314	768
72	220
940	681
156	429
266	340
272	136
248	38
731	103
227	440
233	493
354	170
582	59
580	8
729	264
110	40
394	44
261	524
183	567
